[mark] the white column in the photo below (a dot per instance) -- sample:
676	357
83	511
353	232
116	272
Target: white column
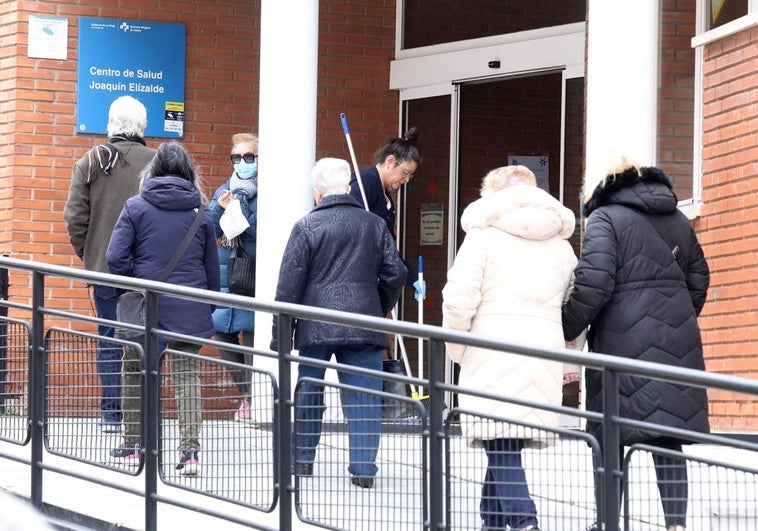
287	147
287	139
622	80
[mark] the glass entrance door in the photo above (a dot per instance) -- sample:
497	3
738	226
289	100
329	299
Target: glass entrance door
425	211
465	132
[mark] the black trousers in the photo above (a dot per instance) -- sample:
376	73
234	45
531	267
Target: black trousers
239	377
671	477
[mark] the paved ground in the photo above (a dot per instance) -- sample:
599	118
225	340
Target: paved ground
559	477
396	502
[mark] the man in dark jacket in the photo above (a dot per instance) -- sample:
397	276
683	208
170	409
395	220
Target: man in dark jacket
343	258
101	182
640	284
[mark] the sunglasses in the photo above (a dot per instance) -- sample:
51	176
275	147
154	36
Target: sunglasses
247	157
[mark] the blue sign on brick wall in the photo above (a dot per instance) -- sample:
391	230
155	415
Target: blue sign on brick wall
138	58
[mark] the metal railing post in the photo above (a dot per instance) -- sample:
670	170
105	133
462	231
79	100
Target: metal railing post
151	412
437	435
611	485
37	391
3	336
284	433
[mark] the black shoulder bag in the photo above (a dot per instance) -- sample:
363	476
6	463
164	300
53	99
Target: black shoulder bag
130	308
240	273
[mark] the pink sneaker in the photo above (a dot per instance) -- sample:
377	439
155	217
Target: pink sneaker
128	454
189	462
243	414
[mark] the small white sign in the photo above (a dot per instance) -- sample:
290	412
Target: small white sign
539	164
432	224
48	37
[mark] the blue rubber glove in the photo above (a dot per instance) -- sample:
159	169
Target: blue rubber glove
420	286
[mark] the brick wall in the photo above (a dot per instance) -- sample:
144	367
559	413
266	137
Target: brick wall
727	229
38	145
356	45
676	93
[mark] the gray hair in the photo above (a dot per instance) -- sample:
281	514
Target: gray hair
127	116
331	176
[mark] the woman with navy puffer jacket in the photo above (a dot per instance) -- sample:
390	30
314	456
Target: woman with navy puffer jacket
145	238
640	284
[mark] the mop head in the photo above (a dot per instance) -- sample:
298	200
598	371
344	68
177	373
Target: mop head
424	400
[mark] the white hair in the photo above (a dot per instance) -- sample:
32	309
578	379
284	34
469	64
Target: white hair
506	176
127	116
331	176
611	163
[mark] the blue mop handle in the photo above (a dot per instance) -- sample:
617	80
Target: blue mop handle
420	296
420	284
346	130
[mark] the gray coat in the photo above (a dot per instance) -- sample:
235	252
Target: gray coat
93	207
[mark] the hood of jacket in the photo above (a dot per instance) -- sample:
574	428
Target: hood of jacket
171	193
648	190
521	210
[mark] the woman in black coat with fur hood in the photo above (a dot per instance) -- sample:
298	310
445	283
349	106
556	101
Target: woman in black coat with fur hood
640	284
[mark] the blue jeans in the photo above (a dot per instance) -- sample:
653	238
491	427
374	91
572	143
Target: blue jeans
363	410
109	354
505	493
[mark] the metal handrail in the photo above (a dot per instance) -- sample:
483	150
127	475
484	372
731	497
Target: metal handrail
611	366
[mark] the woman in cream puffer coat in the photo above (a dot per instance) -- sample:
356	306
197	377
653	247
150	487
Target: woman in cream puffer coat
509	281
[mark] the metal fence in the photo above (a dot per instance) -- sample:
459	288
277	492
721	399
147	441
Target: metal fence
428	477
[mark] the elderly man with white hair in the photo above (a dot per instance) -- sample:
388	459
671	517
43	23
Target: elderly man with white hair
101	182
339	257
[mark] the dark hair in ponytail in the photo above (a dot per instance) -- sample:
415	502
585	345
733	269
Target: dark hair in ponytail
403	149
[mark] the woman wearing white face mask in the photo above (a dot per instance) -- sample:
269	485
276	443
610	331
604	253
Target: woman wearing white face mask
231	323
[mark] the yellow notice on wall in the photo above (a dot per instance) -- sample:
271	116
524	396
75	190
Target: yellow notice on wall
173	120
